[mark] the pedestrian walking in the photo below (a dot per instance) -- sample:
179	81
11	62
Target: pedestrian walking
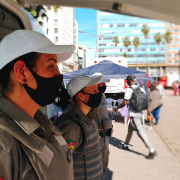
155	102
131	98
179	87
80	129
104	123
31	147
160	89
175	88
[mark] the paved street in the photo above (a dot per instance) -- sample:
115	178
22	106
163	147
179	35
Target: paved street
165	138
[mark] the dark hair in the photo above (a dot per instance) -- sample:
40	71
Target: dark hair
153	87
29	59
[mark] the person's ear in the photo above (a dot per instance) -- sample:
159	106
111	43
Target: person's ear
19	70
80	96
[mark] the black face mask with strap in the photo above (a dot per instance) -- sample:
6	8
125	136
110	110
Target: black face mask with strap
94	100
47	89
102	89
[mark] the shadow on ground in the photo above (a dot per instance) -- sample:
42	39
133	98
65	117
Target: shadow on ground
116	142
109	174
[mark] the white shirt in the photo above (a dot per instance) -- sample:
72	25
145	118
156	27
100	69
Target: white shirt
161	89
127	96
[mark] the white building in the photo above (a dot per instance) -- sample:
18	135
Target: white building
82	53
76	44
59	28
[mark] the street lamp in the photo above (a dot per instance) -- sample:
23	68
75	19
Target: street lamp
97	37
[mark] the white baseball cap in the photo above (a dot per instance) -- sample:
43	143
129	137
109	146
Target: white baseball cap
95	75
79	82
21	42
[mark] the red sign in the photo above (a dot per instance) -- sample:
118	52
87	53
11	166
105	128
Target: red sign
95	62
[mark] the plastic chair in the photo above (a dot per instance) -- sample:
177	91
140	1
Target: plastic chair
110	106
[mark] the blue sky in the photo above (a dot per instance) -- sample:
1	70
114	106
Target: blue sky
87	22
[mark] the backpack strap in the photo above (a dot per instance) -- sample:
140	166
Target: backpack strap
132	88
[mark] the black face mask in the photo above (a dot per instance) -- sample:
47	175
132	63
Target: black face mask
94	100
102	89
47	89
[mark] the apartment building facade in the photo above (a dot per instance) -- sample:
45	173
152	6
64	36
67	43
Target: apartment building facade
151	58
59	27
173	49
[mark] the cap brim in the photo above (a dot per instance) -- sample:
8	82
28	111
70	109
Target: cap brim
105	80
63	52
94	81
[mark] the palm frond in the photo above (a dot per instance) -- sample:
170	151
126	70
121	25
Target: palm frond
145	30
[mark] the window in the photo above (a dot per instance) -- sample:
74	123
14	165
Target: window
133	25
111	25
120	25
55	39
55	22
176	62
129	50
170	62
55	30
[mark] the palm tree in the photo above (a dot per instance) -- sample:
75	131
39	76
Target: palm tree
125	55
145	30
126	43
116	42
158	38
168	39
136	43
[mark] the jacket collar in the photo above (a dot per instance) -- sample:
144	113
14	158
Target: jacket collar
81	115
24	120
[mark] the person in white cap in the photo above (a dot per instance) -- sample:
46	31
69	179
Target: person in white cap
80	129
104	123
31	147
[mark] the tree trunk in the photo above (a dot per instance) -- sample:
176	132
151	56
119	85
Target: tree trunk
136	58
158	53
146	56
115	51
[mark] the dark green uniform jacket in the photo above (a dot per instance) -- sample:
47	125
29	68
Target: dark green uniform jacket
31	149
81	132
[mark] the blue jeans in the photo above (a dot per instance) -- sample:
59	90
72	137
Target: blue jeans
155	113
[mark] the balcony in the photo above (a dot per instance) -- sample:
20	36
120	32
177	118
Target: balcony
148	62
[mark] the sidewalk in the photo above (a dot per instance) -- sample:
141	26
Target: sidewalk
165	138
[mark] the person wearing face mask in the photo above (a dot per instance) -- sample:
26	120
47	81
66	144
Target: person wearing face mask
31	147
80	129
104	123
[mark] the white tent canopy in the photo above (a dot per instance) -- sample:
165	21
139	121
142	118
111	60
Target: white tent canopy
166	10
